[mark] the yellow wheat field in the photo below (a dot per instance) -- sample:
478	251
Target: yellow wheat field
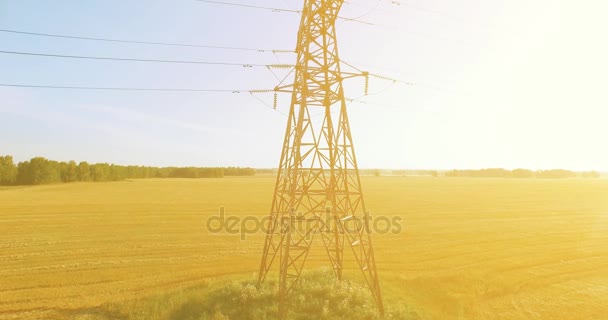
469	249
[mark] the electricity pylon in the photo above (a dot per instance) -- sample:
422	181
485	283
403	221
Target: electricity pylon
318	188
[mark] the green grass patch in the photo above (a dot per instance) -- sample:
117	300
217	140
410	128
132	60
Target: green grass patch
318	296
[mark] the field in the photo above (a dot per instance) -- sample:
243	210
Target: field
469	249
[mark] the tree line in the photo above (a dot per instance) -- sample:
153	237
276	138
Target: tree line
521	173
40	170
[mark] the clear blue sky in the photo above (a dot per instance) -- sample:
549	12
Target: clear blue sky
497	83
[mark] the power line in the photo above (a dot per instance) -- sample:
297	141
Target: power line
273	9
423	9
359	101
377	75
249	6
395	3
246	65
233	91
268	66
127	89
391	79
385	68
140	42
370	11
266	104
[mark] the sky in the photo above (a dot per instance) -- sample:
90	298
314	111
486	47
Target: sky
512	84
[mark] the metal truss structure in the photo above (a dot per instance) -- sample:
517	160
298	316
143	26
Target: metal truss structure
318	188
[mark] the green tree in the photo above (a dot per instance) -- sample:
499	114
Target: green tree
84	171
118	173
100	172
590	174
38	171
8	171
69	171
523	173
555	174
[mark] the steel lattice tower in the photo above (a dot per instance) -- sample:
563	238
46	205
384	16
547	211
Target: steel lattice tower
318	181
